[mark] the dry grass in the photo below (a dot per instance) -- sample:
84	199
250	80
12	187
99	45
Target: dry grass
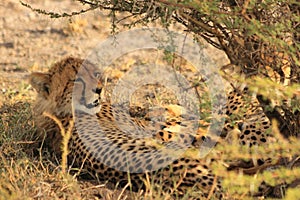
27	172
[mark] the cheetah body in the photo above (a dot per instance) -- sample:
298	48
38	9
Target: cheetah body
101	146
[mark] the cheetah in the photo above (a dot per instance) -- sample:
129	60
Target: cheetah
100	145
72	90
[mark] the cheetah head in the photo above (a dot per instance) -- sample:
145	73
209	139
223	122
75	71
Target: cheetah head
69	79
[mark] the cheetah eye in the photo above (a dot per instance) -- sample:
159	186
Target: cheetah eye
79	79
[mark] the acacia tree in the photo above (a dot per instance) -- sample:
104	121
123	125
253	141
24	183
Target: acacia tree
261	37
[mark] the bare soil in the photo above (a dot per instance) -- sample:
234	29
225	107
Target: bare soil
32	42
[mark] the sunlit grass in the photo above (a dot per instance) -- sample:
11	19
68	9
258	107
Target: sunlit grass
28	172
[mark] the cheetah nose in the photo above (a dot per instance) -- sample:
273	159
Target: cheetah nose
92	105
96	102
97	90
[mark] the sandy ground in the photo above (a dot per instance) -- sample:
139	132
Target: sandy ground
32	42
28	38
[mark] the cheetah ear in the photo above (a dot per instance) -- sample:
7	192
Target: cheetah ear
40	82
